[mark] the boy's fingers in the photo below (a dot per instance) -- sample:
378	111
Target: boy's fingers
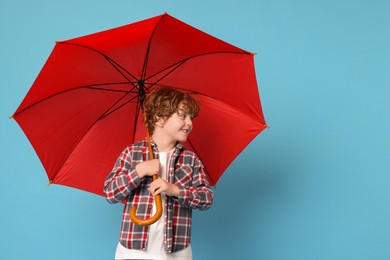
154	186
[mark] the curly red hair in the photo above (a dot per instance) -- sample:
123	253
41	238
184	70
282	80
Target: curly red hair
163	102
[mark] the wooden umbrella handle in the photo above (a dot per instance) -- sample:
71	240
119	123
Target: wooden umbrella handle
157	198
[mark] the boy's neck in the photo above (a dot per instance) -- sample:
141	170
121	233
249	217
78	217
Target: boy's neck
163	144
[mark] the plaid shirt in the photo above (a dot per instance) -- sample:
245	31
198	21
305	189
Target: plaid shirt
185	170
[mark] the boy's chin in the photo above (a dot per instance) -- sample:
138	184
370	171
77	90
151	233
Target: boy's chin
182	139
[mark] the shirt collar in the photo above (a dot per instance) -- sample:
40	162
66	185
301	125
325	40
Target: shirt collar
178	145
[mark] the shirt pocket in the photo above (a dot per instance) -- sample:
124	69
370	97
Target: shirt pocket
183	175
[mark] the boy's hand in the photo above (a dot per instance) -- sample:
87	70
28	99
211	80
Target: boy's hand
160	185
148	168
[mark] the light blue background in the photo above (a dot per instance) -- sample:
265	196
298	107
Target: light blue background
313	186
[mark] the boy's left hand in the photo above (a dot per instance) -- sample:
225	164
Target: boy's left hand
160	185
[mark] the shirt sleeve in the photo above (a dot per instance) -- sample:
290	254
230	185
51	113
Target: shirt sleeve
122	180
199	195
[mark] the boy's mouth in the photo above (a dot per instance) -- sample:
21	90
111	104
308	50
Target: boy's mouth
186	130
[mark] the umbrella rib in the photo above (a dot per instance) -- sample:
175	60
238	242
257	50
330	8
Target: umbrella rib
243	114
196	152
144	68
105	114
110	60
210	97
91	86
117	65
139	107
220	101
176	65
109	90
109	111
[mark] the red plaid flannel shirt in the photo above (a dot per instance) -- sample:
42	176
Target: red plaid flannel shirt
186	171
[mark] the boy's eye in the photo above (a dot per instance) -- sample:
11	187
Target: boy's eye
182	114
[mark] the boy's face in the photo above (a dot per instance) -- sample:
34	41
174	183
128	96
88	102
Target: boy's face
178	126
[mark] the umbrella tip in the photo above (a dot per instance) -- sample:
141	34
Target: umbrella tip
267	126
11	116
254	53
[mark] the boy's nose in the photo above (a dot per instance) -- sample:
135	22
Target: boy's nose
188	120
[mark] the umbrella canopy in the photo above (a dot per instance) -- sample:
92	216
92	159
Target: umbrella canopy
84	109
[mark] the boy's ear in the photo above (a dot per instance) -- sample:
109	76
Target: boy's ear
160	121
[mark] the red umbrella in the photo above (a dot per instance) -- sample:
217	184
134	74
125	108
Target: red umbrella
84	108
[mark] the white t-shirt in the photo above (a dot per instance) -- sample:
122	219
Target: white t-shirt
155	244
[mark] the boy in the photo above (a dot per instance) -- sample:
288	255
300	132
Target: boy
182	183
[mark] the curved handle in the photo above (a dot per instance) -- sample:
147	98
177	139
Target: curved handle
157	198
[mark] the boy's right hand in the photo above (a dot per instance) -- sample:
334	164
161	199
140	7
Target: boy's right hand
148	168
